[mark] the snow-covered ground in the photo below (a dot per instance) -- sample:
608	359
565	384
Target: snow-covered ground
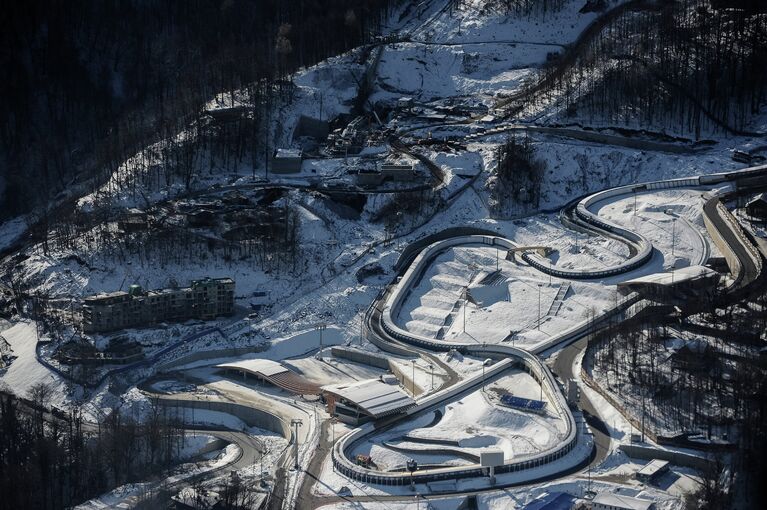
468	425
25	371
509	314
473	55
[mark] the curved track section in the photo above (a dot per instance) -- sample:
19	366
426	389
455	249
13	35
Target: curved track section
384	332
578	216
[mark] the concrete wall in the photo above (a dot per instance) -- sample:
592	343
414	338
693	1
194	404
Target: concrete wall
724	248
676	458
230	352
250	415
358	356
405	378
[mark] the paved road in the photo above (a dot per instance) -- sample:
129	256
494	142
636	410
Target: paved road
563	367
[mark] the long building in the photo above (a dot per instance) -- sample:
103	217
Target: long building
204	299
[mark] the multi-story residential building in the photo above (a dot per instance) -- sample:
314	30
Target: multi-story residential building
204	299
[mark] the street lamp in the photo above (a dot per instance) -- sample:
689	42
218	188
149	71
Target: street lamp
362	324
485	363
539	307
431	367
465	298
296	422
413	379
333	431
264	451
321	327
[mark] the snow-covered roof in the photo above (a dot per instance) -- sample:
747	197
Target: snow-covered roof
678	276
104	295
288	153
373	396
653	467
624	502
262	367
761	197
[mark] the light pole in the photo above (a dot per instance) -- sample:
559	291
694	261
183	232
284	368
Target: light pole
431	367
539	307
264	452
362	325
321	327
673	235
333	431
484	364
413	378
296	422
465	297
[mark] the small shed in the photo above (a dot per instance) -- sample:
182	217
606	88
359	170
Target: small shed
757	207
612	501
405	103
287	161
651	471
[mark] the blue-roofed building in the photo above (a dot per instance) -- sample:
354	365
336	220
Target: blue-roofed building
523	404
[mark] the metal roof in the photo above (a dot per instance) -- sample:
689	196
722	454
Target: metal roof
262	367
623	502
653	467
373	397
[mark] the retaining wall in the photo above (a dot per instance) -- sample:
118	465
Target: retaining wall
252	416
676	458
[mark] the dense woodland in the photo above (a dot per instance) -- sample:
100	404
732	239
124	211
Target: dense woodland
517	178
718	388
87	84
50	461
685	66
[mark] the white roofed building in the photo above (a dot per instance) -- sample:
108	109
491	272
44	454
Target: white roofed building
365	400
611	501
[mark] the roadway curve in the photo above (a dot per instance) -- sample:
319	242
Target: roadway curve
384	332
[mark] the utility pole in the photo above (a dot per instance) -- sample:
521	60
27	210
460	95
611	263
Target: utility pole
296	422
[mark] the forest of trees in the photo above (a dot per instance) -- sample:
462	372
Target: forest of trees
686	66
721	390
518	8
57	460
517	178
87	84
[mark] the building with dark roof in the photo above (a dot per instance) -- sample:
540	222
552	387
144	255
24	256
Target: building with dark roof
757	207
